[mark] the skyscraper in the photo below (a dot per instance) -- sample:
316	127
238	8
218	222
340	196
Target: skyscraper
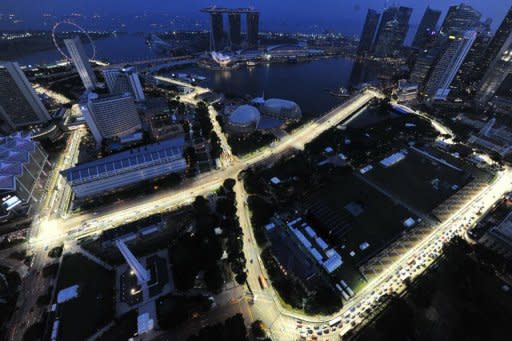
122	80
19	104
426	28
22	174
497	60
423	67
370	25
438	85
112	116
253	22
235	38
459	19
81	61
216	31
392	31
470	73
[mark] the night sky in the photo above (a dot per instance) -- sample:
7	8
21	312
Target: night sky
344	16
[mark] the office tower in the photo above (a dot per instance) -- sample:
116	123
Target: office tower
235	38
427	28
81	61
497	61
422	67
253	19
22	163
392	31
19	104
459	19
370	25
122	80
470	73
108	117
438	85
216	31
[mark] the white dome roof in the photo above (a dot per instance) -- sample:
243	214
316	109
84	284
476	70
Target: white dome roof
281	108
244	114
278	104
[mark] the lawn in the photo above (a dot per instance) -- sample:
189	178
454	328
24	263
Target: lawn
419	180
378	220
94	307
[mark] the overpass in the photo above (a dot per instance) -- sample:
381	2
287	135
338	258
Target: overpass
162	60
142	274
173	81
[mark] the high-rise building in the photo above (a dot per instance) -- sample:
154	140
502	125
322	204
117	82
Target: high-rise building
253	22
122	80
427	28
497	62
422	67
109	117
459	19
392	32
19	104
22	164
443	73
470	73
216	31
235	37
370	25
81	62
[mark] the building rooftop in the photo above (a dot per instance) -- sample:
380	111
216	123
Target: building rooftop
67	294
14	152
132	158
244	114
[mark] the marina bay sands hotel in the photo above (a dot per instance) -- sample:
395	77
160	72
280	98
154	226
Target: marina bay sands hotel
234	37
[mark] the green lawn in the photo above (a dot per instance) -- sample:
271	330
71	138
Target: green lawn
413	180
380	222
94	307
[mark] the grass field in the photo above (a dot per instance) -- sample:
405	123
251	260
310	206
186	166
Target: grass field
380	221
419	181
94	307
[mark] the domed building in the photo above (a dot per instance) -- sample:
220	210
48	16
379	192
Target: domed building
281	109
244	119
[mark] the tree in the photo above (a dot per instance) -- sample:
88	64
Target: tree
216	148
258	330
213	279
241	277
235	328
229	184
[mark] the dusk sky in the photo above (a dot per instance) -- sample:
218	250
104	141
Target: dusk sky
344	16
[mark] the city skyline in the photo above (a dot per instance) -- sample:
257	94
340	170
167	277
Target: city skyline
265	170
287	15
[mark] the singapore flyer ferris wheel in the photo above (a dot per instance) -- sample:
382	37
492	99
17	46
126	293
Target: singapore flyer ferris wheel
81	29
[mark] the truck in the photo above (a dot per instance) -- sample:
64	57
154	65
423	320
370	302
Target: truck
263	282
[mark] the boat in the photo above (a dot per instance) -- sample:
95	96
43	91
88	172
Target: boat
251	63
340	92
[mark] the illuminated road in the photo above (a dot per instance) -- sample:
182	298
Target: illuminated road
51	232
283	323
267	306
111	216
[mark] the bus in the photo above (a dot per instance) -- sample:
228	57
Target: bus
263	282
335	321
